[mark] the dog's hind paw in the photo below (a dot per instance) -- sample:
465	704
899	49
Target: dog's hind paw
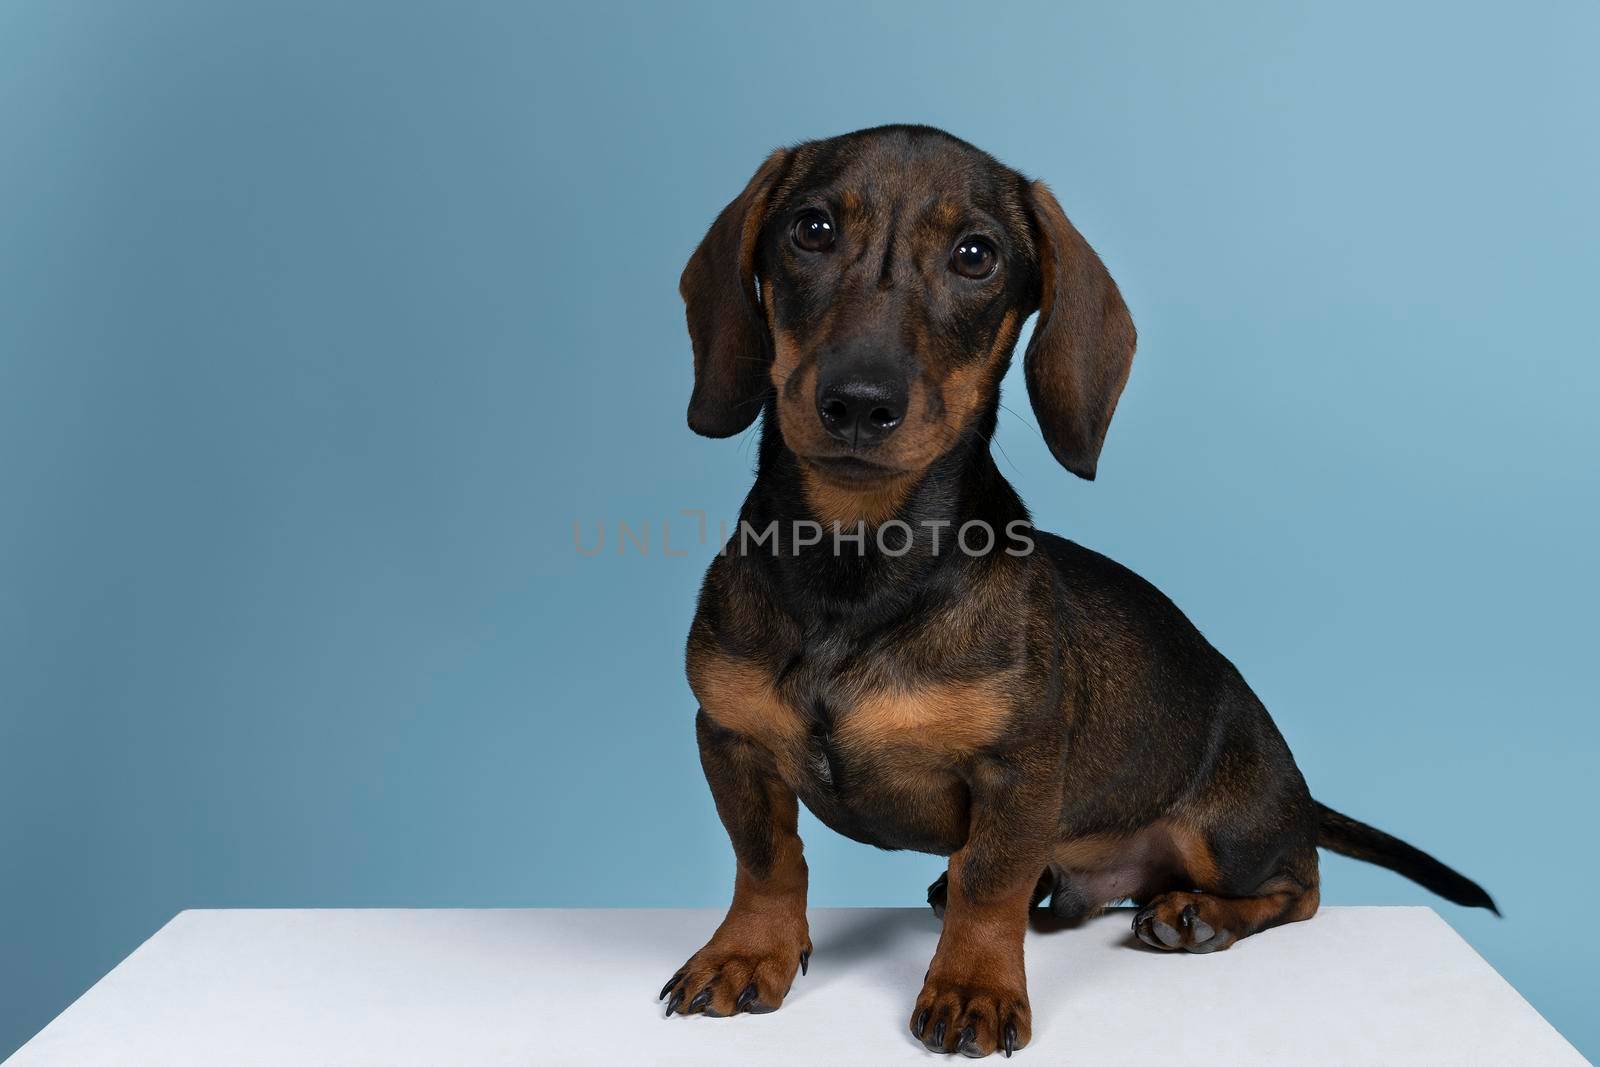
1181	922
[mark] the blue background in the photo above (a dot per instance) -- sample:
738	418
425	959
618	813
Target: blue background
321	324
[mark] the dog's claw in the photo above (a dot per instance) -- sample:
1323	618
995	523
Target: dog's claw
938	892
701	999
805	958
673	1004
1010	1039
968	1036
920	1024
674	980
745	998
938	1033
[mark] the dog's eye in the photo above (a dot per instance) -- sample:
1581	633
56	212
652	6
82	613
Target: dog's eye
974	258
813	231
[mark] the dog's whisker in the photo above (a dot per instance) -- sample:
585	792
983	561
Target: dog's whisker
1006	454
1007	409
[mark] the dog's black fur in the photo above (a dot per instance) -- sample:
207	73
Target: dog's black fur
1047	719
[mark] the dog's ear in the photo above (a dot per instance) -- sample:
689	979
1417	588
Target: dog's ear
1082	347
725	322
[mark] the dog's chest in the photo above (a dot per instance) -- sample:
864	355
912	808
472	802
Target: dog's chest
874	710
885	783
878	755
874	744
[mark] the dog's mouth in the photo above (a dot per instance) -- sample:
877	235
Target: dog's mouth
851	470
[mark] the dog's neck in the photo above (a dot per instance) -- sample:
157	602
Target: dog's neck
903	545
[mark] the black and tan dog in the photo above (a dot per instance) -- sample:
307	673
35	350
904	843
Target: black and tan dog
1046	719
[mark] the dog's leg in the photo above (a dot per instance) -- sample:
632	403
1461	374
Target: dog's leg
939	890
975	997
750	962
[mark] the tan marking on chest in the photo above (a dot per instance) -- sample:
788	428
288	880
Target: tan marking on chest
950	719
738	695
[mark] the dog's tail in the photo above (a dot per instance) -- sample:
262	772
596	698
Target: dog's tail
1342	834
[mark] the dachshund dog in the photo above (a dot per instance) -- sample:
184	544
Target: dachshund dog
889	641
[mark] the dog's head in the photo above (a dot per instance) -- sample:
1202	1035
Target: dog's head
877	283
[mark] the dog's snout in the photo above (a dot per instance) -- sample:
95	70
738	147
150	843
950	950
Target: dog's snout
862	411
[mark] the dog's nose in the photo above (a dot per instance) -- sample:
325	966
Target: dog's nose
861	412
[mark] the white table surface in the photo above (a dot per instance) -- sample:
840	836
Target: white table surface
435	987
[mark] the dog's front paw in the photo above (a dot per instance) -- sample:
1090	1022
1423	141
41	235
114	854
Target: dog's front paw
972	1011
738	971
